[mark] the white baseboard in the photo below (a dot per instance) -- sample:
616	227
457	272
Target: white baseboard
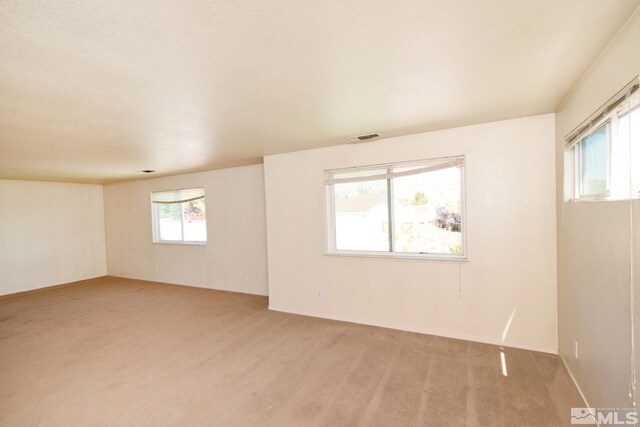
573	378
190	284
427	331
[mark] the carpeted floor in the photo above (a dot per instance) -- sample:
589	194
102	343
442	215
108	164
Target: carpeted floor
116	352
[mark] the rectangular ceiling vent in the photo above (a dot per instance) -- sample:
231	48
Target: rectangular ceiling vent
362	138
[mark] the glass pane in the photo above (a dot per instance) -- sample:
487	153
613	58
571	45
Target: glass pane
625	155
634	134
362	216
594	162
169	222
195	225
427	212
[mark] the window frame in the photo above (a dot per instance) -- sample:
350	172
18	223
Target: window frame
608	115
330	215
155	221
578	148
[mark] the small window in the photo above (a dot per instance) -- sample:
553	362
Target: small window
400	210
179	216
594	162
603	155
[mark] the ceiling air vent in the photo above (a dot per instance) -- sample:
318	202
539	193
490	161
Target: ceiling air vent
362	138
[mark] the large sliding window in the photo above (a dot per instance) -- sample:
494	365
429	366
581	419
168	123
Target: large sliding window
179	216
409	209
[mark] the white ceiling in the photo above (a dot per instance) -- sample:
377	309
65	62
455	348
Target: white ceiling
95	91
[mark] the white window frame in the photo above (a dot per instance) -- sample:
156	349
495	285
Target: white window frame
155	221
578	164
330	215
607	115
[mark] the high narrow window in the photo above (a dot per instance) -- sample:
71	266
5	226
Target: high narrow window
179	216
410	209
594	162
603	154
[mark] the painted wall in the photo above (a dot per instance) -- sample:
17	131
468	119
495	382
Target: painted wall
50	233
511	240
235	255
594	255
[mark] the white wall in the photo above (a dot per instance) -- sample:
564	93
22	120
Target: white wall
594	256
50	233
234	257
511	241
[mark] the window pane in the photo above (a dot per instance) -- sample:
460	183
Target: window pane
427	212
362	218
625	155
195	226
594	162
169	221
634	134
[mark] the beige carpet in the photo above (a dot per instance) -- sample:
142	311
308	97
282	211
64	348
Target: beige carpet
116	352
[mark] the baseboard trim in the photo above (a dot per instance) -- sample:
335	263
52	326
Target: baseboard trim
427	331
49	288
573	378
188	285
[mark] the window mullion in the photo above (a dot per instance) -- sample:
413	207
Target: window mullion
182	222
582	171
609	142
156	222
332	207
390	212
577	177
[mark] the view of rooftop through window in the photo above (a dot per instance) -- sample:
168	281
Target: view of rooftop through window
422	203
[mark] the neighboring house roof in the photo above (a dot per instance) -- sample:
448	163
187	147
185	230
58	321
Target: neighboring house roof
361	203
368	202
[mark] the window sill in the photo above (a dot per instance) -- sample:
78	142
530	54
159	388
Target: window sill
180	243
605	198
417	257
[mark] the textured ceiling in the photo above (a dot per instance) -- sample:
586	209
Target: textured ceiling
95	91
